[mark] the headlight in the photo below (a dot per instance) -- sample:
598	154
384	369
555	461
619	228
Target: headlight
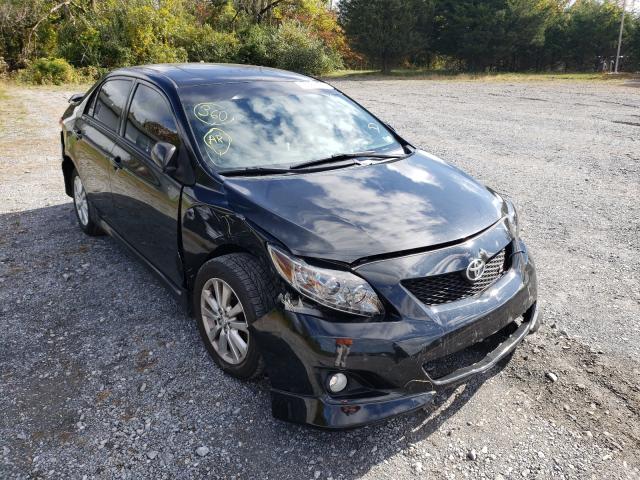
512	219
336	289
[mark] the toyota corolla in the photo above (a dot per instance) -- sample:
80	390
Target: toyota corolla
306	237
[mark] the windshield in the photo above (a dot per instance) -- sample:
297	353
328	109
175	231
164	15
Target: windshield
267	124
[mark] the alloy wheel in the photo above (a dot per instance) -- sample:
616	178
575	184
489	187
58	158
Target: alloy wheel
224	321
80	201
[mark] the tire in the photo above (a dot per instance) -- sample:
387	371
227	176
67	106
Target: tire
85	213
254	289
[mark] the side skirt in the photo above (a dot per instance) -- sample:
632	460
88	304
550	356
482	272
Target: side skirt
180	293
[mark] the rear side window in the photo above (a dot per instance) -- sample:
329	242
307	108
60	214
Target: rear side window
110	102
150	120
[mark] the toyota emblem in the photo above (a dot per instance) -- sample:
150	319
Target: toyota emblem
475	269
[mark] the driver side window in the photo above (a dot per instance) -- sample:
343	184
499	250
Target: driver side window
150	120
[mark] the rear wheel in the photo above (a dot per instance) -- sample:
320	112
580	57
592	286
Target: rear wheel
231	292
84	211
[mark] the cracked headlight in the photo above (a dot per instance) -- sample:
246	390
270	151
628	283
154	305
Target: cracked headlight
335	289
512	219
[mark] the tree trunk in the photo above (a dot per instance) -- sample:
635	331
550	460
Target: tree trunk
386	65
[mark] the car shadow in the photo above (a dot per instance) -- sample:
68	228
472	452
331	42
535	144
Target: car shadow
87	328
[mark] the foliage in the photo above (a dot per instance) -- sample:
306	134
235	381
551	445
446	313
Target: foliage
113	33
4	68
94	36
490	35
526	34
384	30
592	32
291	46
632	59
49	71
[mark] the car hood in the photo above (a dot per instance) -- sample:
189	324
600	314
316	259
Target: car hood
368	210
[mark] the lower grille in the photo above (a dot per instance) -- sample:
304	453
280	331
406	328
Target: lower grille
449	287
443	366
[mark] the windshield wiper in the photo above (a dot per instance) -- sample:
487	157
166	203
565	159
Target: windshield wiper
343	156
256	171
250	171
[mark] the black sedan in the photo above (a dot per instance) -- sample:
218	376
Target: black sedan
306	237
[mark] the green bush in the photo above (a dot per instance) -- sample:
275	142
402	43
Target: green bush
301	35
291	46
47	71
56	71
255	46
204	44
294	47
90	74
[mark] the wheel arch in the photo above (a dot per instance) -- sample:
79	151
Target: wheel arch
225	249
67	169
219	251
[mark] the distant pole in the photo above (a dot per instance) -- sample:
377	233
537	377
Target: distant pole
624	5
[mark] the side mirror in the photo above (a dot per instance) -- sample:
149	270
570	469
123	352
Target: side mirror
76	98
163	153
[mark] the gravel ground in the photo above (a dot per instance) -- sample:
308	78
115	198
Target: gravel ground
103	376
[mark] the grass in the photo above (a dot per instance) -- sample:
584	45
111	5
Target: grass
3	91
417	74
445	75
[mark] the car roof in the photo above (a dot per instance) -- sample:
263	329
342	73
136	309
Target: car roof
189	74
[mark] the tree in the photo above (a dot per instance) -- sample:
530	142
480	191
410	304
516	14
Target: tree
472	30
259	10
492	34
386	31
553	53
526	23
632	45
25	27
592	32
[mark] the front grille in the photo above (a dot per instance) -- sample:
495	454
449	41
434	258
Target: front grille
449	287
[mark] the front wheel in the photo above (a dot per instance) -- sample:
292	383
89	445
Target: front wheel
230	293
84	211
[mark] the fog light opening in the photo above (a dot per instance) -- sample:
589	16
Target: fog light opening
337	382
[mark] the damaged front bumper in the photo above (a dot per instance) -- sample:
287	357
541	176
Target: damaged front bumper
394	365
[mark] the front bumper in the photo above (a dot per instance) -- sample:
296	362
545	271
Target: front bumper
388	361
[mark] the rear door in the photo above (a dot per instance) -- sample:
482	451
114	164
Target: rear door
94	135
146	200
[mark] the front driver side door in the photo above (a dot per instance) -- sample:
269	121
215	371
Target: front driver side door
146	200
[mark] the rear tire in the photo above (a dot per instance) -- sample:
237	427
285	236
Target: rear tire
230	293
85	213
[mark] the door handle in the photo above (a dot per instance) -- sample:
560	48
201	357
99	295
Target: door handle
116	162
78	133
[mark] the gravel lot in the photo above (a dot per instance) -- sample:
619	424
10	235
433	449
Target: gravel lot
103	376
